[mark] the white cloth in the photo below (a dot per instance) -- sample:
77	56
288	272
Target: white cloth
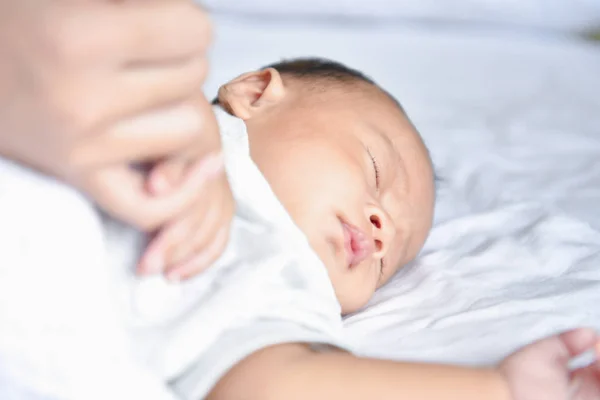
76	322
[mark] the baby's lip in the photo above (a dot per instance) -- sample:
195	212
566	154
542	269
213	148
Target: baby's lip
357	244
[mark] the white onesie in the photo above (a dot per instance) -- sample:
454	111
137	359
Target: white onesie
75	322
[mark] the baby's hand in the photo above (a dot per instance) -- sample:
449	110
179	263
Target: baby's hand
540	371
193	241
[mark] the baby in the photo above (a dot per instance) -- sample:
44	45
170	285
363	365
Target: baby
344	159
309	144
347	164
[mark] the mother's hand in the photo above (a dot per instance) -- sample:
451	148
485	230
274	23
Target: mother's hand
87	88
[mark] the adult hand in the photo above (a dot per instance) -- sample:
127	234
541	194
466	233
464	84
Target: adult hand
88	88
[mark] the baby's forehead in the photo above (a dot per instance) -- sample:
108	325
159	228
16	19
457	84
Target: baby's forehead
360	102
347	96
372	112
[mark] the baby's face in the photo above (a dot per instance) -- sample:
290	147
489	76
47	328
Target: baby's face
355	177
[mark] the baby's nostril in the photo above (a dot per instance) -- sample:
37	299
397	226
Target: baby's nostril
378	245
375	221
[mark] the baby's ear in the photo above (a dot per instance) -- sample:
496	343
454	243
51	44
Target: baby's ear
251	93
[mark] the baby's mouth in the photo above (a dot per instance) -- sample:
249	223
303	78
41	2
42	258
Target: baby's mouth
357	244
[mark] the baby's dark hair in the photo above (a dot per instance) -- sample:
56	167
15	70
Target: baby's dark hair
319	68
314	70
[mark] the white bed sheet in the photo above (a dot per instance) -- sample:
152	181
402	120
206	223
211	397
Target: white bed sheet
513	124
566	15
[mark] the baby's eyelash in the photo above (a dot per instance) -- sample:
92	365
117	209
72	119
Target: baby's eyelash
375	167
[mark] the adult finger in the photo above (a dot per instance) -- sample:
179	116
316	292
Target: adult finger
120	33
164	30
120	95
151	136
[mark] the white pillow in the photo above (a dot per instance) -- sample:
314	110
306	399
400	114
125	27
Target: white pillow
547	14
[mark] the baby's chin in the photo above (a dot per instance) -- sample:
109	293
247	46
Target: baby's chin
353	304
350	296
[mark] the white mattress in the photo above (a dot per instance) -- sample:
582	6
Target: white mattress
513	122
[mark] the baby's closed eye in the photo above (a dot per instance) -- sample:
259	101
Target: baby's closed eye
376	169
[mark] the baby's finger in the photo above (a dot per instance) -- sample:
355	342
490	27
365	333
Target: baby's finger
157	256
202	260
177	239
577	341
166	175
585	383
209	219
196	239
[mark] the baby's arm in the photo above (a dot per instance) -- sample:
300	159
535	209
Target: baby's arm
294	371
538	371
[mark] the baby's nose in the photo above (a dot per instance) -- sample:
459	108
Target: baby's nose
383	231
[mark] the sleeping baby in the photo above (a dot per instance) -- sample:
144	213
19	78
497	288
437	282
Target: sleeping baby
346	163
334	192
